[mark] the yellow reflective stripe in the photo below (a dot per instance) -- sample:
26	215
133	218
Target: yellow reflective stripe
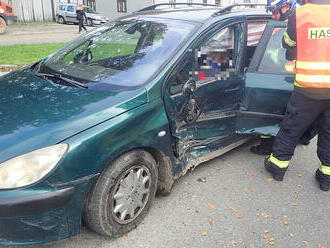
313	78
289	68
278	163
297	84
313	65
324	169
288	40
265	137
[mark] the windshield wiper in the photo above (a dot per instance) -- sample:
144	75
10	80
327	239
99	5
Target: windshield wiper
63	79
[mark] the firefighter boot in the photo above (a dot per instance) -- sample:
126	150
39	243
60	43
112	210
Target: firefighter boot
276	172
264	148
324	180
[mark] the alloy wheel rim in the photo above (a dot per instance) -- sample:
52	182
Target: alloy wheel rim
131	194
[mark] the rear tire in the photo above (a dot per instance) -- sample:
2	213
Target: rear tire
122	195
3	26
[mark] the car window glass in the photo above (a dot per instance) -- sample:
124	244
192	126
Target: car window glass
215	59
70	8
255	30
127	53
273	60
62	7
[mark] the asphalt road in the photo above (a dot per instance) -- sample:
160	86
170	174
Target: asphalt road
231	202
39	33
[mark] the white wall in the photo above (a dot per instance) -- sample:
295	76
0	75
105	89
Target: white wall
109	7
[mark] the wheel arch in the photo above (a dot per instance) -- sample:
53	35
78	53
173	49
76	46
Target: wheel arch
164	166
165	173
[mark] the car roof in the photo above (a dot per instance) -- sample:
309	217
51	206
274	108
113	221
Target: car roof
200	15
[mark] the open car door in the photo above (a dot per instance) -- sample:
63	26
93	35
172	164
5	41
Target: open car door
268	85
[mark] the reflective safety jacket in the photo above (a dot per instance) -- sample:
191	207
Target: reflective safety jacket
313	46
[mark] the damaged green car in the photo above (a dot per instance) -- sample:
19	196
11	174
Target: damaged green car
94	130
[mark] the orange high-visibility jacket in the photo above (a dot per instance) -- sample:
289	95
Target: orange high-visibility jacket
313	46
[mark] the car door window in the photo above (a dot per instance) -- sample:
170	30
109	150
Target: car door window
216	58
62	7
255	30
70	8
274	60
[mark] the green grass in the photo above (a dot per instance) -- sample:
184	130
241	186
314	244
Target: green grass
26	54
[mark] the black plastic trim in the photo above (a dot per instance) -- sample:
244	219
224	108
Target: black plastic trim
23	206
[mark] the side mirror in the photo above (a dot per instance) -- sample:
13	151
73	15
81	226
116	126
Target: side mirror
189	87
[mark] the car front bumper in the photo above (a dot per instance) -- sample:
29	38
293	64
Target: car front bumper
41	216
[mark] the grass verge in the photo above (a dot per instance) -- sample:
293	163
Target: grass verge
26	54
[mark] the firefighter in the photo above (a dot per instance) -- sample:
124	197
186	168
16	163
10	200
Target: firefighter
307	40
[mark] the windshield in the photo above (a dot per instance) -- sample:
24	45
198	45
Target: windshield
90	10
125	54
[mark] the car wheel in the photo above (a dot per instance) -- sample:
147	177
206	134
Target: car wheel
122	195
3	26
89	22
61	20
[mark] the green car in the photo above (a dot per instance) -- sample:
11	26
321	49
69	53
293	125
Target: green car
94	130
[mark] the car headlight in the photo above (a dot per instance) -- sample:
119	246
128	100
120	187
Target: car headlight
29	168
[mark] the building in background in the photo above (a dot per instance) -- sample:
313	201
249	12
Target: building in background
45	10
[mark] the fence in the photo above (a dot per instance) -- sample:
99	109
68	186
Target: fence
34	10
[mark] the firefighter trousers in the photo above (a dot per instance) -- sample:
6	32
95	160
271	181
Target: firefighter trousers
301	112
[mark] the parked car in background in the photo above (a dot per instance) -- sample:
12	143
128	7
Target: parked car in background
96	128
66	13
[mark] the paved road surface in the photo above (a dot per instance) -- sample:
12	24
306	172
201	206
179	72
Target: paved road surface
237	206
39	33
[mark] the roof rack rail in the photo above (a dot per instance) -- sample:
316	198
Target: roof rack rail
230	7
153	7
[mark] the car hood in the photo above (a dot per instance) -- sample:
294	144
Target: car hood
35	113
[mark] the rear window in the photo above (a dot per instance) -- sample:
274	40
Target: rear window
61	7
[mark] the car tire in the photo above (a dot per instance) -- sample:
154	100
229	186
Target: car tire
61	20
122	195
3	26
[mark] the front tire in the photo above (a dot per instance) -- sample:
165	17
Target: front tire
61	20
122	195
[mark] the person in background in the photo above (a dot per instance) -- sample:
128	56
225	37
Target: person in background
81	17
